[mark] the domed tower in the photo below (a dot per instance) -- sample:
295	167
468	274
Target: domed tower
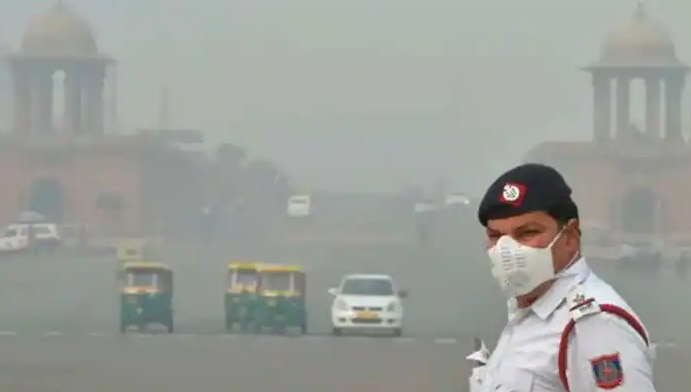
58	40
638	49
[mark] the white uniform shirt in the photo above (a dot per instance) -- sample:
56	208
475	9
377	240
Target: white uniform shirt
525	358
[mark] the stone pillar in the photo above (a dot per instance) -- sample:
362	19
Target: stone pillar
44	103
37	113
73	121
602	107
93	103
653	104
674	87
111	119
623	108
21	123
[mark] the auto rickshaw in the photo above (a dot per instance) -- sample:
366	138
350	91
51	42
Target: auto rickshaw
281	299
146	296
129	251
241	294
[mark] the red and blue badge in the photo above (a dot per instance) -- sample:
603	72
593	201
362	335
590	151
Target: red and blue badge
513	193
607	371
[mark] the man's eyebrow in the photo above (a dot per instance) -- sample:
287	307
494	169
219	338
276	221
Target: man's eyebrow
530	225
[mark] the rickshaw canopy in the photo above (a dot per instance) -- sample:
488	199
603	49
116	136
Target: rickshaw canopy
281	268
297	280
158	269
132	250
152	266
236	271
243	265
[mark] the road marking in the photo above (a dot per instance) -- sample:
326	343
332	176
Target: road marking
53	333
100	334
664	345
445	341
8	333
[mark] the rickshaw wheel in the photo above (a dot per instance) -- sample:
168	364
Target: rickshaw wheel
303	328
123	327
170	325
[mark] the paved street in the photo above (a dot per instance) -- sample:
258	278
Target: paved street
58	321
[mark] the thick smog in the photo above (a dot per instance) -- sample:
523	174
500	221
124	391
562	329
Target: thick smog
306	196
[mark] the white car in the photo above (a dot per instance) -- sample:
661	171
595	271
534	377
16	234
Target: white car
16	236
367	302
299	206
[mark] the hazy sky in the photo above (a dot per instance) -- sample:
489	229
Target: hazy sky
362	94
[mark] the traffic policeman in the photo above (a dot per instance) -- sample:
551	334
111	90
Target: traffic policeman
567	329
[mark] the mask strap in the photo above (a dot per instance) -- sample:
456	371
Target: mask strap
556	238
575	257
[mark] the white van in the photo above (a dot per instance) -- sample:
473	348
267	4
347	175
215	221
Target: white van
16	236
299	206
457	199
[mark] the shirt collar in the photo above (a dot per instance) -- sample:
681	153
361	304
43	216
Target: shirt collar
544	306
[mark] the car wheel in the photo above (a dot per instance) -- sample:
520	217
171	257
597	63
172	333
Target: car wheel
397	332
336	331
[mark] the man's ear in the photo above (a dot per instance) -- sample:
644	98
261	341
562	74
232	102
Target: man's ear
574	229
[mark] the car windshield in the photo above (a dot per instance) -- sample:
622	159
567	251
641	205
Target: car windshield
142	278
41	230
367	286
11	233
276	281
244	277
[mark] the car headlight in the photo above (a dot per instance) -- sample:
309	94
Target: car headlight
341	305
391	307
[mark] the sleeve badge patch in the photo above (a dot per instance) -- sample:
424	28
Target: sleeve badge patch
607	371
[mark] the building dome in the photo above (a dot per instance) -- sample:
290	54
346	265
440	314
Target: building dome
639	41
59	32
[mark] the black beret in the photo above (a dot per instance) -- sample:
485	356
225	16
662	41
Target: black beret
526	188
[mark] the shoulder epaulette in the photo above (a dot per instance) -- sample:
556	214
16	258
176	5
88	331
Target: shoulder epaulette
581	305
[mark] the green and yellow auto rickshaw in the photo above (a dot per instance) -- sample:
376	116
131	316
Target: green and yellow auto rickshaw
146	296
281	299
131	250
241	294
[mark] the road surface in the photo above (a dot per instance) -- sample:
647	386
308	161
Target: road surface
58	330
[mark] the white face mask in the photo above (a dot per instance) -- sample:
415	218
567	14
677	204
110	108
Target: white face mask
519	268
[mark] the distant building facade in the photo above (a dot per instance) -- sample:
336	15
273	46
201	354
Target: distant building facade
5	93
71	170
634	184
